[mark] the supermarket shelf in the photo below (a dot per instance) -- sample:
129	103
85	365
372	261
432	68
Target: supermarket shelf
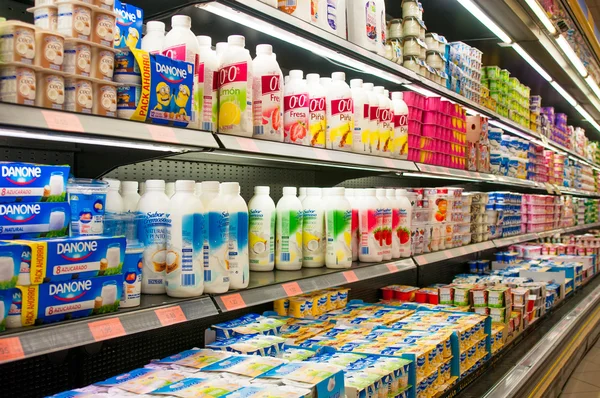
266	287
447	254
155	312
514	239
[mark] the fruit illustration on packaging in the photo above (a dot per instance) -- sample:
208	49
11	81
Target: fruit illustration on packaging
297	131
257	244
403	234
288	6
317	131
229	114
310	241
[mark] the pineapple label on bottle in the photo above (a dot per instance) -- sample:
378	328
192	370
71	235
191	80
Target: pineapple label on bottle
235	106
207	98
385	138
363	125
317	122
313	237
267	112
262	237
374	116
296	113
401	135
341	124
289	246
339	237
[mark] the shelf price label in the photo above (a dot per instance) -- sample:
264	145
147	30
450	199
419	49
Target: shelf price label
11	349
63	121
107	329
393	267
321	154
233	301
170	316
163	134
247	144
350	276
292	289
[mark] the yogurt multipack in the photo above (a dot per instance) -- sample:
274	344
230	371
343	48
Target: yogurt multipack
58	301
13	261
26	220
29	182
248	324
6	299
323	380
256	344
129	25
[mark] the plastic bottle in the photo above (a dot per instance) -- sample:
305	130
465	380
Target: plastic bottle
385	235
339	113
313	229
210	190
288	232
181	44
302	193
267	105
170	189
154	39
208	70
185	240
272	3
373	113
295	108
239	271
198	189
142	188
220	49
153	208
338	224
390	194
400	110
353	199
363	23
332	16
404	230
383	121
389	121
381	27
130	195
369	228
216	269
235	89
297	8
114	201
317	124
262	230
362	123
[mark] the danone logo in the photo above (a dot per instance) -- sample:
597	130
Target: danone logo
77	251
171	73
342	106
19	212
270	84
317	104
127	18
21	175
295	101
233	73
70	291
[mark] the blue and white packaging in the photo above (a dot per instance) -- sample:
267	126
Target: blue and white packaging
26	220
87	199
10	264
325	380
13	319
129	25
6	297
256	344
28	182
58	301
248	324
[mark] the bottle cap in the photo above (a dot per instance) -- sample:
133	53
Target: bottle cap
230	188
113	185
313	78
204	41
185	185
296	74
368	86
155	185
262	190
314	191
264	49
221	47
397	95
155	26
338	76
337	191
198	189
369	192
390	192
325	81
236	40
182	21
210	186
302	191
289	191
378	89
356	83
127	186
380	192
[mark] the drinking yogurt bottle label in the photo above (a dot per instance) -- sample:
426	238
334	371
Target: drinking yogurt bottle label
153	233
313	236
207	98
374	116
355	234
235	106
317	122
371	21
216	270
238	246
184	263
296	113
370	232
290	247
385	137
400	124
268	114
384	234
400	232
341	125
261	237
339	236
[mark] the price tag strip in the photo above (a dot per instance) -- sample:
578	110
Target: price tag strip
106	329
11	349
170	316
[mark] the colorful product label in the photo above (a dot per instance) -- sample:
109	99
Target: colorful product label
153	230
144	381
370	232
401	231
184	261
361	127
206	99
261	237
125	64
295	116
314	240
238	247
132	277
34	220
25	182
387	129
266	107
339	237
371	21
129	25
384	234
235	99
289	248
340	125
216	271
400	124
375	127
355	234
317	121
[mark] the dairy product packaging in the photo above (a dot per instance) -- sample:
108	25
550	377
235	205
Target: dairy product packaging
11	257
62	259
248	324
87	200
34	220
245	365
143	380
255	344
199	387
195	358
6	299
129	25
58	301
29	182
322	379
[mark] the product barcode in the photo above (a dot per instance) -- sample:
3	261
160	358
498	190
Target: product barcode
188	279
285	256
364	250
208	276
271	257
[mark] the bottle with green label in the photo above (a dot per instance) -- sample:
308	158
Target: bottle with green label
288	232
338	228
261	230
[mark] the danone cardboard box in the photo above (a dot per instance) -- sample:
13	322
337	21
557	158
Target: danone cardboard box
28	182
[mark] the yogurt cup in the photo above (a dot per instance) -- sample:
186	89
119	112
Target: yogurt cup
128	97
50	50
50	89
79	94
17	83
75	19
78	57
105	101
104	27
411	47
126	68
103	63
105	4
45	16
87	199
411	27
18	42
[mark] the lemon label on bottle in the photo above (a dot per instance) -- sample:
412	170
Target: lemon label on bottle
289	247
234	102
317	122
341	125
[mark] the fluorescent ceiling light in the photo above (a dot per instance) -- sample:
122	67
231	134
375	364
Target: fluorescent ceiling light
531	61
593	85
485	20
571	55
542	16
565	95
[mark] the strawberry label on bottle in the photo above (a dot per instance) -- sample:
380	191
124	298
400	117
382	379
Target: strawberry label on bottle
374	136
384	234
401	135
369	225
266	108
207	98
385	138
317	122
296	112
341	124
234	102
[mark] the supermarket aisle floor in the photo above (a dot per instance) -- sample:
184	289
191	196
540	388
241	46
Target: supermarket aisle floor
585	380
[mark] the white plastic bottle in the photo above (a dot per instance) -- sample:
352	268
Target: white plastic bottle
261	232
153	208
297	8
235	89
239	270
332	16
210	190
216	269
363	23
185	241
142	188
390	194
339	114
154	39
390	123
267	105
313	229
381	27
404	230
325	82
170	189
302	193
383	120
181	44
208	70
373	113
369	228
198	189
351	195
295	109
130	195
288	231
114	201
220	49
338	224
317	123
386	223
400	110
360	99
